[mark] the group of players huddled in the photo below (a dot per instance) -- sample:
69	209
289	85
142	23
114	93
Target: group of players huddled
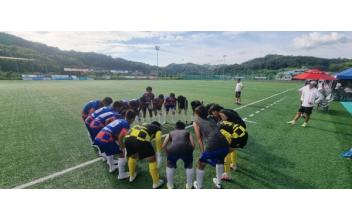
219	132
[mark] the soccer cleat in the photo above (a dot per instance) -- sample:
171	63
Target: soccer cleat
347	154
113	169
123	176
216	185
132	178
170	186
304	125
159	184
225	177
189	186
233	167
195	185
291	122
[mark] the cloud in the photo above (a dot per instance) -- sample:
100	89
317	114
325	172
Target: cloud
316	39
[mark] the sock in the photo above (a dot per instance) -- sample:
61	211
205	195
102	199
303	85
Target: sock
227	163
189	174
233	157
110	160
199	177
170	176
103	155
132	166
173	116
158	158
121	164
219	171
153	170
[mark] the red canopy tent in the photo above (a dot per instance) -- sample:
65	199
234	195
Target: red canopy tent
315	74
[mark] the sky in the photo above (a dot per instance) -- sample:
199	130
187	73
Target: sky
198	47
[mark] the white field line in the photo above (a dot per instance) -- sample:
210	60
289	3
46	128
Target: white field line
253	122
43	179
60	173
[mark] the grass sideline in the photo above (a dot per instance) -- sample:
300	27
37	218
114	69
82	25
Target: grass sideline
43	134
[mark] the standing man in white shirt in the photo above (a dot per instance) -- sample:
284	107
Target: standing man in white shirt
310	96
238	89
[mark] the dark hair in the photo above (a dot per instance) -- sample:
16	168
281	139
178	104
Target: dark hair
180	125
157	124
195	104
107	101
130	115
172	94
215	107
149	88
117	105
161	96
201	111
238	80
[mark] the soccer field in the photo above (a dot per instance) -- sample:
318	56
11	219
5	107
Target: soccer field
41	133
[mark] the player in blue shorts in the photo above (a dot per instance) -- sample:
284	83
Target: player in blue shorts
170	105
93	105
116	107
181	147
101	121
213	146
110	142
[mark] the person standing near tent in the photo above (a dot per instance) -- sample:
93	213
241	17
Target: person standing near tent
310	96
238	90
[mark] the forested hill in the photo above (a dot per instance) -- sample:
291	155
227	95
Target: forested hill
52	59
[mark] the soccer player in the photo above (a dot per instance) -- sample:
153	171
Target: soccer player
157	107
147	102
310	96
182	105
181	147
93	105
194	105
139	146
170	104
134	105
213	146
233	125
214	112
238	90
110	142
101	121
116	107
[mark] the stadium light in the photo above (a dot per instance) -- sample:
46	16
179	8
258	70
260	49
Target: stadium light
157	48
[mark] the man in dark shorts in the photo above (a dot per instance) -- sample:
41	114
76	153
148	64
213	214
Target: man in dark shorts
147	103
139	146
158	107
182	105
238	89
170	105
181	147
310	96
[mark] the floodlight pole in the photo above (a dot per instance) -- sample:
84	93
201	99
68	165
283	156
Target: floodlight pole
223	73
157	48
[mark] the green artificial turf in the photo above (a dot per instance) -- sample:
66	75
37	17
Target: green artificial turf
41	133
